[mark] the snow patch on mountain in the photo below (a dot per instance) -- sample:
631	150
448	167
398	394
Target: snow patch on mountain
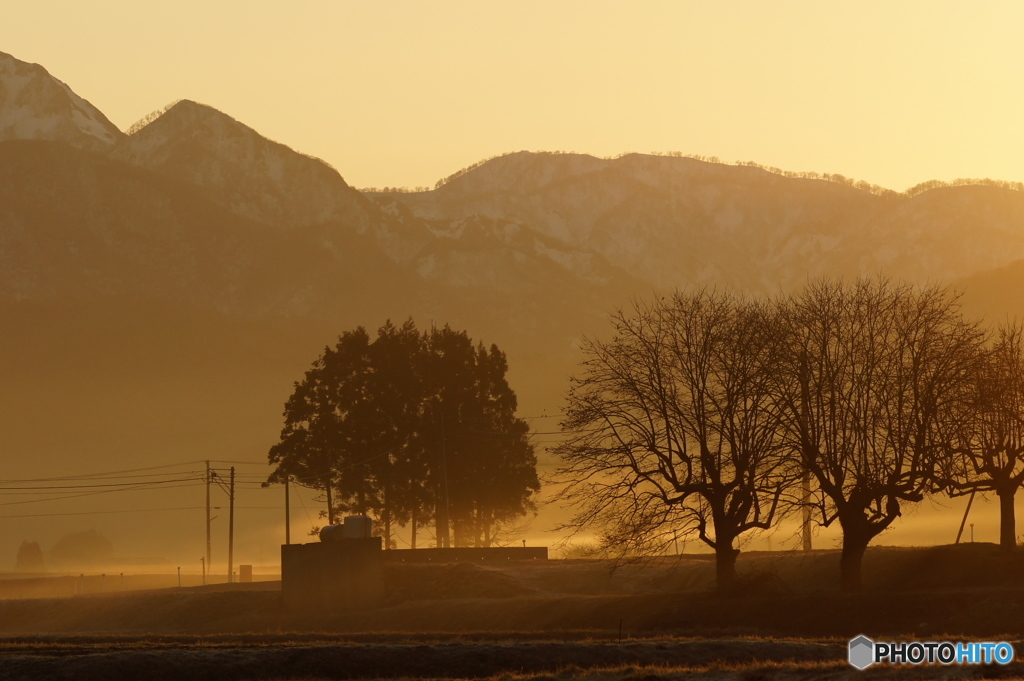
35	105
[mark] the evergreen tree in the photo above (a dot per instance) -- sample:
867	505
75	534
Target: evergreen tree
322	443
411	428
484	468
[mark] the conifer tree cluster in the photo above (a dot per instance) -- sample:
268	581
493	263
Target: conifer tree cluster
414	429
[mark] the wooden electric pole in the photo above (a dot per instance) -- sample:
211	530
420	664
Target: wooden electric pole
208	515
964	521
231	527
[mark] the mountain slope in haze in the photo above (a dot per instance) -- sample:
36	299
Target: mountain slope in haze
170	328
35	105
995	295
282	212
534	291
238	167
256	178
263	180
682	221
76	224
947	233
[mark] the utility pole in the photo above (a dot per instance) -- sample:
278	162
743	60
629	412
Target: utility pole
287	514
964	521
208	515
231	527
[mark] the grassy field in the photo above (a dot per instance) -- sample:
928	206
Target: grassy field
545	619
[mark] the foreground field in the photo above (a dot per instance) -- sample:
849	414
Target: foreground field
287	657
548	619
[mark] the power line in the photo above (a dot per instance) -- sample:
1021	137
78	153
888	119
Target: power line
120	474
133	489
133	510
85	479
102	491
109	474
91	486
241	463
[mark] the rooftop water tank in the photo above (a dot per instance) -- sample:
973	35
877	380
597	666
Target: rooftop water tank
358	527
332	532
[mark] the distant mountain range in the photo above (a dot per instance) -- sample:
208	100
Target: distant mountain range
682	221
196	225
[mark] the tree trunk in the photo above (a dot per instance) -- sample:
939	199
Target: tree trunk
1007	520
414	527
441	522
855	543
456	530
386	511
805	498
478	527
330	503
725	567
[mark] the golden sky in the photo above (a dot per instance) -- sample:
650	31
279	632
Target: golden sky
403	93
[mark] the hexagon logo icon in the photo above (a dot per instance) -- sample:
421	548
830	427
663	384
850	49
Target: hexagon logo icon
862	652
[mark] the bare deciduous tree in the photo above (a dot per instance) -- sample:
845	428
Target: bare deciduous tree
672	428
867	372
986	440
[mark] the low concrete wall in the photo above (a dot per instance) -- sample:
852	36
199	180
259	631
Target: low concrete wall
349	573
340	575
467	555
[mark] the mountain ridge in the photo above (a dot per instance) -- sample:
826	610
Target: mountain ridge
684	221
577	222
666	219
36	105
252	175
